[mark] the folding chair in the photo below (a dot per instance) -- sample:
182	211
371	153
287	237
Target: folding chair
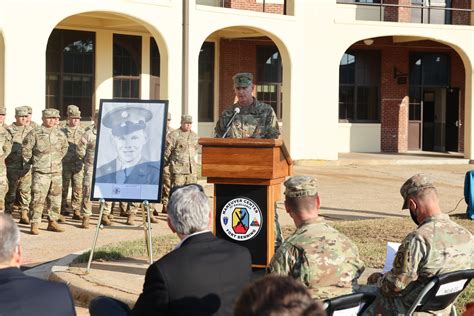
441	291
348	305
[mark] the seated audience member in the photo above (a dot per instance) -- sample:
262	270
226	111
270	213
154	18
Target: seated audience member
436	246
319	256
277	296
22	295
203	275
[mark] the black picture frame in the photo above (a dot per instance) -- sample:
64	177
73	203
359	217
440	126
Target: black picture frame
131	136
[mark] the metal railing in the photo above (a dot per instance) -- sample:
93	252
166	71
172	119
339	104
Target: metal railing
425	9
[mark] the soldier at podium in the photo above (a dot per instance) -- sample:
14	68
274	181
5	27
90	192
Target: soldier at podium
248	118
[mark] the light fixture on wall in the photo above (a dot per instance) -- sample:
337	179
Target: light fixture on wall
368	41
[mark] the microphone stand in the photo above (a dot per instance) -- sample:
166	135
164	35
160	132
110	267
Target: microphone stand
228	125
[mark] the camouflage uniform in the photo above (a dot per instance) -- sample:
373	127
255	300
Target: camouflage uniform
165	192
257	120
19	175
180	155
86	152
44	148
5	148
72	164
437	246
319	256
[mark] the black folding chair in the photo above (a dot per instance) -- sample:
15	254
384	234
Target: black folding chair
442	291
350	304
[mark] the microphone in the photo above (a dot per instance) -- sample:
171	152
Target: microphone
227	126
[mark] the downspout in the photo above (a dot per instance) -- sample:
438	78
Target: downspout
184	64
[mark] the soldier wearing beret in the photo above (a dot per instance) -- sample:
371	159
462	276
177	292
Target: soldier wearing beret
129	137
319	256
72	164
180	154
255	119
19	175
43	149
5	148
436	246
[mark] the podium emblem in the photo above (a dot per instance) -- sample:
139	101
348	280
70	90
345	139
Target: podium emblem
241	219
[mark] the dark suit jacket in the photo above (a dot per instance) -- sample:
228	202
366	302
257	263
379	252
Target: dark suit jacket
202	277
22	295
142	173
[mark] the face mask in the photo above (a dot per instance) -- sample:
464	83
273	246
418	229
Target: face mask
413	217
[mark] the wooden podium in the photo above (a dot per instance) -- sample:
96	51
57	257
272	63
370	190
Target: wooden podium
247	175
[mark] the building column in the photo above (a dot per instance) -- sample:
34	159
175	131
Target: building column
104	81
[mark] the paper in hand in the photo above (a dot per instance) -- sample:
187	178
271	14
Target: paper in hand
392	248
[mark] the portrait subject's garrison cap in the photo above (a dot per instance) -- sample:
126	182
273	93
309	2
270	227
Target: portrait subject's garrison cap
51	113
3	111
73	111
21	111
300	186
127	119
242	79
186	119
416	183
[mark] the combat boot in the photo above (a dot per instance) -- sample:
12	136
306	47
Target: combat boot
130	219
164	210
153	220
123	213
155	212
65	212
34	229
24	219
77	215
61	219
105	220
54	227
85	222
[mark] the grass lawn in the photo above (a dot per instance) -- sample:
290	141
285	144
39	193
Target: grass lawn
370	236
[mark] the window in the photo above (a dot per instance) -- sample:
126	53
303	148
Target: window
154	58
127	63
206	83
269	74
70	71
359	86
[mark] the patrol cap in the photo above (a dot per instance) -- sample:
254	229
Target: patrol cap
51	113
169	116
186	119
73	111
416	183
242	79
126	119
30	109
21	111
300	186
3	111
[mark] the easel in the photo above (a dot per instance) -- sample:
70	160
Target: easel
146	229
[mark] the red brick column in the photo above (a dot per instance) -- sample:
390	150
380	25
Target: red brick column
461	17
397	14
252	5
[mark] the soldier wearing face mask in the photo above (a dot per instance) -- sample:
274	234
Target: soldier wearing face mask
436	246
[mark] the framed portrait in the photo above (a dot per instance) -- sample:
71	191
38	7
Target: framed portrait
130	143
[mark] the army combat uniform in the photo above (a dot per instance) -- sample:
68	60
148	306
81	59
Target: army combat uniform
437	246
5	148
180	155
44	149
19	175
72	165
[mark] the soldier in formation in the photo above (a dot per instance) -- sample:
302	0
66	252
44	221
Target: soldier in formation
165	190
72	164
180	154
43	150
5	149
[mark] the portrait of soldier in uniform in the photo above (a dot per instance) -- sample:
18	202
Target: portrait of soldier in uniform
130	154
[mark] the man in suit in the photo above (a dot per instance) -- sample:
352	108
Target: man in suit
203	275
22	295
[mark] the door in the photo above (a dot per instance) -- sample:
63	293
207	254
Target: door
428	120
453	123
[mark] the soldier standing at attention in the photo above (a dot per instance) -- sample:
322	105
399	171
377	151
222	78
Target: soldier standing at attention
180	154
254	119
30	121
19	175
86	152
5	149
165	192
3	112
72	164
44	148
319	256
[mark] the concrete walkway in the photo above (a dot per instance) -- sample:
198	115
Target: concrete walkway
358	186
